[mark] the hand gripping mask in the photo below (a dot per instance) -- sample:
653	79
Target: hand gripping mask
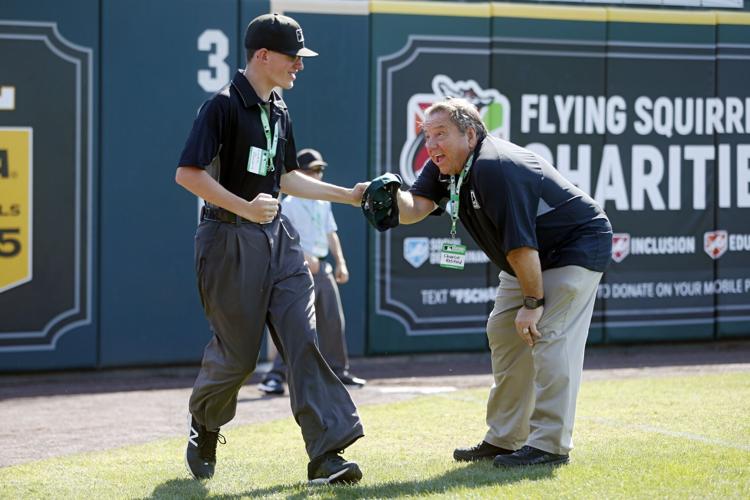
379	203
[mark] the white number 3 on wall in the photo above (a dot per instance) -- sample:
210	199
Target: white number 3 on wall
216	43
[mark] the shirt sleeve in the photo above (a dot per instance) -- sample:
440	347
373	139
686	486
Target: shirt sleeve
510	195
330	221
290	151
428	185
207	133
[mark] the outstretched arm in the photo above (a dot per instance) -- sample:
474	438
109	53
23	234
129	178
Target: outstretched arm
303	186
413	208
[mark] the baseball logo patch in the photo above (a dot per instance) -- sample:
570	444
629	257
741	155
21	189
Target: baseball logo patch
416	250
715	243
620	246
474	201
300	36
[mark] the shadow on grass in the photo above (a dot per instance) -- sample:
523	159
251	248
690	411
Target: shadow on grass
469	476
179	488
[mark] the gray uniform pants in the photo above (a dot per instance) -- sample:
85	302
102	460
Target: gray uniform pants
533	399
249	276
329	316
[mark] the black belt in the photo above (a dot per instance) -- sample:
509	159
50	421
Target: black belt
220	215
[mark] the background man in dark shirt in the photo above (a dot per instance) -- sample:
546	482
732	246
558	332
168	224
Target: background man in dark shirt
552	243
251	270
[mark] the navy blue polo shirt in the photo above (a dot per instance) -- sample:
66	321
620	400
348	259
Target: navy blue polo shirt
513	198
228	124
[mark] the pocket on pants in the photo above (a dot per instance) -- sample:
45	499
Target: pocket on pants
200	281
556	311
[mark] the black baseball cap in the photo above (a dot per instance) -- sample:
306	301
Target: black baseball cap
380	201
278	33
310	159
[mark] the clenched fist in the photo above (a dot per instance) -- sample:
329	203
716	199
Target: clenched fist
262	209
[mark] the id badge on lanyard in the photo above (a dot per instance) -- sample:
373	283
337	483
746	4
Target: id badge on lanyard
257	161
453	255
260	161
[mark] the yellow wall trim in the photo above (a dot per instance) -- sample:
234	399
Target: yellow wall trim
556	12
661	16
727	17
552	12
340	7
431	8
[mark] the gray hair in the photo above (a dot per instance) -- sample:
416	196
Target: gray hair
462	113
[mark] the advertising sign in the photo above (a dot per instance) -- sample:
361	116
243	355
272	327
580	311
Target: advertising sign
729	243
15	207
412	287
45	186
637	109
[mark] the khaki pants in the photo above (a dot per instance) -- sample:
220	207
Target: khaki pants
533	399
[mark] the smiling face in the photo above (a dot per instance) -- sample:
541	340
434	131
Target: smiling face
283	69
448	147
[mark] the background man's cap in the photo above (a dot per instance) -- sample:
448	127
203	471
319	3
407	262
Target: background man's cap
309	159
278	33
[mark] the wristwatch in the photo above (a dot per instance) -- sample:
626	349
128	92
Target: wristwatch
532	302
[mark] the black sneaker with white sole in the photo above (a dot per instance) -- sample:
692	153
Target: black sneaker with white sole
332	468
347	378
200	456
272	386
482	451
528	455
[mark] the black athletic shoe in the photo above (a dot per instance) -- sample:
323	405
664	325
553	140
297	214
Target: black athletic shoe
272	386
200	456
528	455
331	468
348	379
482	451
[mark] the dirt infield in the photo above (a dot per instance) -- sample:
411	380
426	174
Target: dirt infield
51	414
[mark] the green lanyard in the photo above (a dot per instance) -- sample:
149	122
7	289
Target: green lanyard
271	140
455	190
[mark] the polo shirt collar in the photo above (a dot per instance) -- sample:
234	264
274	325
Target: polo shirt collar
249	96
478	147
475	154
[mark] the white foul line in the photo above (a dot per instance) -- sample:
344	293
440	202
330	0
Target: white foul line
667	432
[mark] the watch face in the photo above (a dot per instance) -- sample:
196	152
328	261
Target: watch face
532	303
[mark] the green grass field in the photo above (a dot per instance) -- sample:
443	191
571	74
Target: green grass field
680	437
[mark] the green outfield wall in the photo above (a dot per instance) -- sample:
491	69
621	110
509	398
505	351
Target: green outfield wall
648	110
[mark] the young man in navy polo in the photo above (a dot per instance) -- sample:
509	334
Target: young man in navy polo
250	267
552	242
